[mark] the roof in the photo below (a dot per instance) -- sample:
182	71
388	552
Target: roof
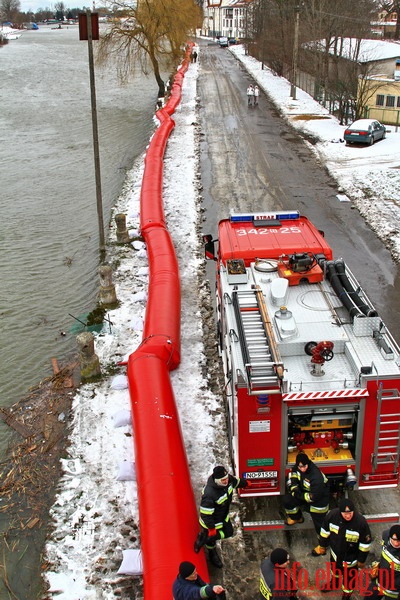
249	239
235	3
362	50
362	123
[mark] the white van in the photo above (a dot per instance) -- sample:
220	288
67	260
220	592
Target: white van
223	42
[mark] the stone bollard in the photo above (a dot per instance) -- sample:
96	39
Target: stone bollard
89	361
122	232
107	294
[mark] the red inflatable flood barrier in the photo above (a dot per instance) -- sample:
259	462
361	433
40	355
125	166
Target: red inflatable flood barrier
168	516
161	331
167	510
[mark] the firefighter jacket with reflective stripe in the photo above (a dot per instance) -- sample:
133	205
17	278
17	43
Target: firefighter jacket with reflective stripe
184	589
350	541
216	500
389	569
310	487
275	582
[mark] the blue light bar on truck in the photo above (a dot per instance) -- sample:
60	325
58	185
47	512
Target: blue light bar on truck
285	215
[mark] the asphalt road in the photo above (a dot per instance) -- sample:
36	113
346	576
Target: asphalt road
251	160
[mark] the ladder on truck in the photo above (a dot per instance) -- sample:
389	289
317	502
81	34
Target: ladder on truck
264	368
387	437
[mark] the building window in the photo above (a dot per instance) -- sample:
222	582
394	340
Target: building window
398	101
390	101
380	100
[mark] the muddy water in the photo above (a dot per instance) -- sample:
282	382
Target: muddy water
48	225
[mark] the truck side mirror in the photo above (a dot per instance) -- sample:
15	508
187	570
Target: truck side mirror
209	247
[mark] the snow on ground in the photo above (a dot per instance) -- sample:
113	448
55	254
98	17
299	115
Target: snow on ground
369	176
95	515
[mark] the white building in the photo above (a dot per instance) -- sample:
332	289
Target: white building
226	18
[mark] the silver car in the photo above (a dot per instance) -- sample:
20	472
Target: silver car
364	131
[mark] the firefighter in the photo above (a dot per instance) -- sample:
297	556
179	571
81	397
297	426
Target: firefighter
190	586
308	491
275	579
385	577
347	533
214	512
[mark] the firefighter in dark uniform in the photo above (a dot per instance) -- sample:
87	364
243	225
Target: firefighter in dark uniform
385	577
275	579
347	533
309	491
214	512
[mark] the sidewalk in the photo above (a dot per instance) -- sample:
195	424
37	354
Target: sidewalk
369	176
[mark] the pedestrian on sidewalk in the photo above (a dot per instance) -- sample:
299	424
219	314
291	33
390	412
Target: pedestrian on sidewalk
214	512
256	94
250	95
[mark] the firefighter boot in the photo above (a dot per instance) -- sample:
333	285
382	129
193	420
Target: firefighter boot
215	558
293	519
200	541
318	551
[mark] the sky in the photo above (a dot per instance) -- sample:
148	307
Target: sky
35	5
95	515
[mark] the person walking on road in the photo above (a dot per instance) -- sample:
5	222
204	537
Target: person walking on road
214	512
385	575
275	579
189	585
256	94
347	533
309	491
250	95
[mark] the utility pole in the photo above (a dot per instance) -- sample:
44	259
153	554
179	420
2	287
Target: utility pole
295	53
87	33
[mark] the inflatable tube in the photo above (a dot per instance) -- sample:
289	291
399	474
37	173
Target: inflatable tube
167	511
151	208
164	297
168	515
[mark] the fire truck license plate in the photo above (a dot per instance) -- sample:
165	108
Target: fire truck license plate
261	474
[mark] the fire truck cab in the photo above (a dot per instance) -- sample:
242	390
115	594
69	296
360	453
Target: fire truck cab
309	365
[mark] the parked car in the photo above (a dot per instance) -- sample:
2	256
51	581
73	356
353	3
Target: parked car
232	41
364	131
223	42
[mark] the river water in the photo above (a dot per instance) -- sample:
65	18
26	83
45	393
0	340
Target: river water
48	228
49	239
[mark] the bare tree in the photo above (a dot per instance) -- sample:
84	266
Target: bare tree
9	10
59	8
149	34
393	7
320	54
368	87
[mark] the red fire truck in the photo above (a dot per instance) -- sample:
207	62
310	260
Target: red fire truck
309	364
